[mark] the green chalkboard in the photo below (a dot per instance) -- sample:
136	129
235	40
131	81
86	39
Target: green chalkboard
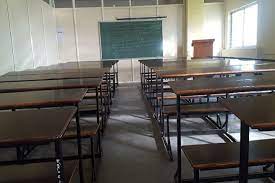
131	39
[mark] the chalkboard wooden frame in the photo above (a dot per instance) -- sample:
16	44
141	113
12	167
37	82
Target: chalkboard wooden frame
131	39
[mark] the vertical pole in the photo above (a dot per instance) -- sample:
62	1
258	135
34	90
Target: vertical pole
79	147
102	10
244	153
75	30
97	107
30	28
44	35
157	8
196	176
178	139
56	37
11	34
59	162
130	15
162	103
93	160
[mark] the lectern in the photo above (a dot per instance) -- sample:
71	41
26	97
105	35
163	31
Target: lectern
203	48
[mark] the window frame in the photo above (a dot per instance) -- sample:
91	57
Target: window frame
243	8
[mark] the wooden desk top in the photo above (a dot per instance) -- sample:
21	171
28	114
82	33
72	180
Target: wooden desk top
56	74
34	126
36	172
155	63
82	65
256	112
49	85
192	71
208	63
47	98
207	86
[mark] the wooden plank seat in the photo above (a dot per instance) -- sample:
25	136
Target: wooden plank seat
36	172
86	131
91	95
227	155
90	105
172	96
190	110
91	131
205	108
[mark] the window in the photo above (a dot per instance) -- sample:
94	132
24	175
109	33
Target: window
63	4
244	27
113	3
143	2
87	3
161	2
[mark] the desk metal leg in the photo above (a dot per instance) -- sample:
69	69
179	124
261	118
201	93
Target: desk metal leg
59	162
178	139
97	107
79	147
117	74
244	153
93	160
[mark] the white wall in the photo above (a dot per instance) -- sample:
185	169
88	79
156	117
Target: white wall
87	21
27	26
205	21
6	55
214	24
66	39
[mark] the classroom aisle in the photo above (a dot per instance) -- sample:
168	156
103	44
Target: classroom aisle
129	144
130	151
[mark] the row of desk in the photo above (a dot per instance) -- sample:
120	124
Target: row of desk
213	86
44	102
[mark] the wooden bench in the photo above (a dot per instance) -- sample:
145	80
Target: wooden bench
194	109
191	110
36	173
224	156
90	131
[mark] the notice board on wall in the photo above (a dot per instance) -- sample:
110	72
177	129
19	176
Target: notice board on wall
131	39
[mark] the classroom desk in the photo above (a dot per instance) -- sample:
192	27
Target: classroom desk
254	112
85	65
8	87
41	99
95	73
31	127
47	98
197	63
211	71
177	69
215	86
88	64
161	75
87	83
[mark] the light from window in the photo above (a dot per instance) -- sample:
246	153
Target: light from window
244	27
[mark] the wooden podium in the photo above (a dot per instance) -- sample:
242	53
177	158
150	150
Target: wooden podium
203	48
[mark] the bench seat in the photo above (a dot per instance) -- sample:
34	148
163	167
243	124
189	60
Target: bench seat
36	173
206	108
86	131
222	156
